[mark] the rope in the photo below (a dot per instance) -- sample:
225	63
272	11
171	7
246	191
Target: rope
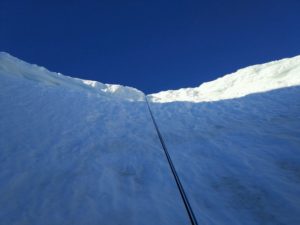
178	182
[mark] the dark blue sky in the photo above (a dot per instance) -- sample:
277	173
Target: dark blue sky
150	45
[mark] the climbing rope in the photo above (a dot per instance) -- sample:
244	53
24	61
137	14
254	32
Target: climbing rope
178	182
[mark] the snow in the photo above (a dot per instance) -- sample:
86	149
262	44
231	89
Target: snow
81	152
235	143
14	67
253	79
238	159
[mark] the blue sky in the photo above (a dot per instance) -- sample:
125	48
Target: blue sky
150	45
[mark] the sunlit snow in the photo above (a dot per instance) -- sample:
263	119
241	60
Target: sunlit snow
253	79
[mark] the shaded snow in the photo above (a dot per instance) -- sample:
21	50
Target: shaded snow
81	152
73	154
238	159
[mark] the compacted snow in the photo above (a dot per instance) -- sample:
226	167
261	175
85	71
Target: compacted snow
83	152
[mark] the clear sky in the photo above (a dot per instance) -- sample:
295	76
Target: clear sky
151	45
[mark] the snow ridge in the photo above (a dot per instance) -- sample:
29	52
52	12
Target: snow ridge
249	80
252	79
12	66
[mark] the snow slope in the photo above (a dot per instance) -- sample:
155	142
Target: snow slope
77	152
82	152
238	157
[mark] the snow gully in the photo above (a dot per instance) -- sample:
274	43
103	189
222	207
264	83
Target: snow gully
176	177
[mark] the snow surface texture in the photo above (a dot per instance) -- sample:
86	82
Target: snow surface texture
238	159
82	152
75	154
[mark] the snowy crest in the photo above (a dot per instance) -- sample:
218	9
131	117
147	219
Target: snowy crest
16	68
253	79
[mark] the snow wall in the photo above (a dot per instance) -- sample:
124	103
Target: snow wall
83	152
